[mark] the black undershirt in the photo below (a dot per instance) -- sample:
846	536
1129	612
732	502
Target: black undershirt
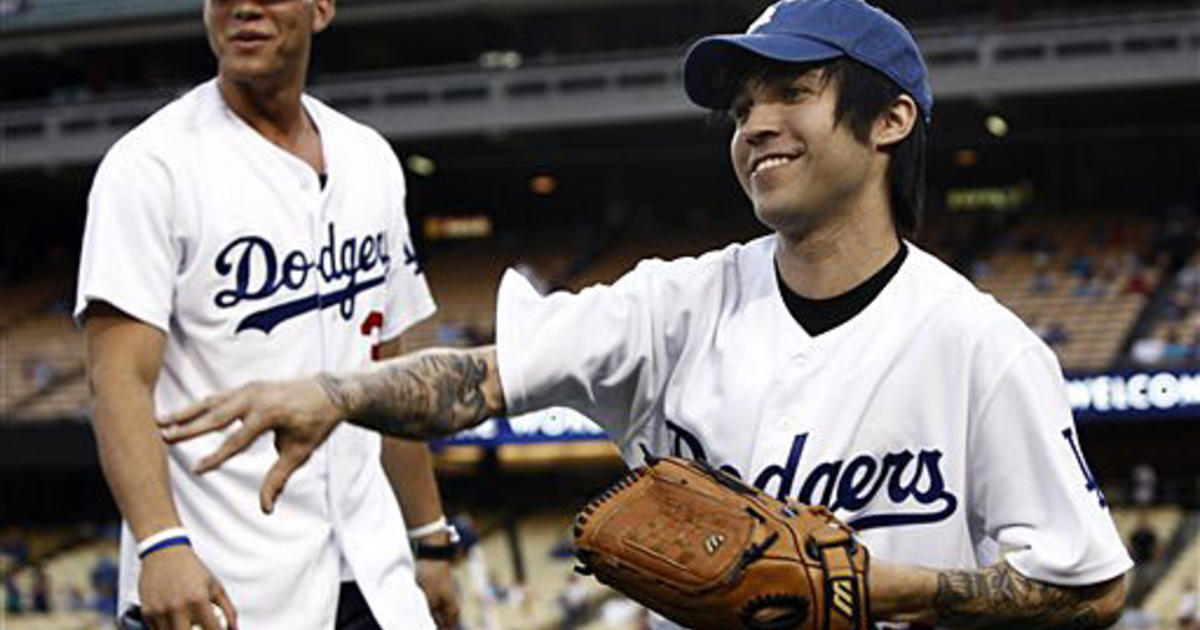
818	316
324	179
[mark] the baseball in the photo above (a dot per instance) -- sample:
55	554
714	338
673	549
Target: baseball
222	622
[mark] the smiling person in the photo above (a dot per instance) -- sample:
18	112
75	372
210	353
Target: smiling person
830	362
247	231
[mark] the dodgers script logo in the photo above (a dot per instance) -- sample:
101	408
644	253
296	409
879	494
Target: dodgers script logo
258	272
906	478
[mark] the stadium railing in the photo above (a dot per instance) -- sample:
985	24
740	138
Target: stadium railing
39	14
1140	49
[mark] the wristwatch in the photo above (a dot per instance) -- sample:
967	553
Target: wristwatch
431	551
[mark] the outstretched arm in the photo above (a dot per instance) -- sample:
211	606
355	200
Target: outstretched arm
423	395
993	598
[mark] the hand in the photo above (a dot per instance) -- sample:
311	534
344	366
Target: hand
178	592
299	411
434	578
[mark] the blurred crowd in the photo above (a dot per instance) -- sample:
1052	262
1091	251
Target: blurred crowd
30	583
1157	539
1175	342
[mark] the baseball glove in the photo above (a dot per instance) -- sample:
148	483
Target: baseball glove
709	552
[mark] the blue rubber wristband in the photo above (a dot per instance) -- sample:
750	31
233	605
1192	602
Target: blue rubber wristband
163	544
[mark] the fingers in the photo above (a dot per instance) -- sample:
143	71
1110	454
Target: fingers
446	615
445	612
434	578
207	416
253	425
177	619
452	613
197	614
289	460
221	599
439	618
156	622
188	413
166	618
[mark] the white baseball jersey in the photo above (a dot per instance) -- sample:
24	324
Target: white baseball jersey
933	421
202	228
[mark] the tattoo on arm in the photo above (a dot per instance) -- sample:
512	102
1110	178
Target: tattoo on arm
428	394
999	597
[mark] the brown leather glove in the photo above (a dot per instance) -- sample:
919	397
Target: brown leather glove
709	552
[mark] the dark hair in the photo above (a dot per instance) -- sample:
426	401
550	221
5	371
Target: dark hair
863	94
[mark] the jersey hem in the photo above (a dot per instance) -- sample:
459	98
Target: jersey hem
511	384
127	306
1106	571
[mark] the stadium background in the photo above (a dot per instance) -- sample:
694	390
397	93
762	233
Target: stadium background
553	134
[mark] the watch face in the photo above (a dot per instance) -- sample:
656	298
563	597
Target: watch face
435	552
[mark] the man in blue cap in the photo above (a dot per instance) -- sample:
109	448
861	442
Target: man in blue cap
831	362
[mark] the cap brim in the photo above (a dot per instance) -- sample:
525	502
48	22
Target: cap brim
713	64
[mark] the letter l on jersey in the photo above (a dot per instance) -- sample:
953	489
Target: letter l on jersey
1091	484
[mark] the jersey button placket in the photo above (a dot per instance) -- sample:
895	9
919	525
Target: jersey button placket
784	399
314	214
792	379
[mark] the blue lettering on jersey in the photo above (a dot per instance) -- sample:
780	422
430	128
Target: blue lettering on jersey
903	477
259	272
1090	480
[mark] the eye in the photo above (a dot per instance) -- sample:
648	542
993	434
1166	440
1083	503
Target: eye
795	93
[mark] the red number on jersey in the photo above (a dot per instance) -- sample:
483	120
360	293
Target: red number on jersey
373	322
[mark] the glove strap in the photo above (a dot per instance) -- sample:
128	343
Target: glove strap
845	589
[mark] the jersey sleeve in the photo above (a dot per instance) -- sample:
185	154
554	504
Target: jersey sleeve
409	298
1029	483
594	351
130	248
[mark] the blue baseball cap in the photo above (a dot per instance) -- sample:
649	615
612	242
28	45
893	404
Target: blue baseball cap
805	31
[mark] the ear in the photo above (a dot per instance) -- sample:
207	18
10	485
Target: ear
323	12
896	122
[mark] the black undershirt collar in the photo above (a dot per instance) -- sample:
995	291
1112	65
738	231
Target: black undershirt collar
819	316
323	179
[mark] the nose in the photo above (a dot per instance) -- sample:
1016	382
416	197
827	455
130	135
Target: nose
247	11
762	124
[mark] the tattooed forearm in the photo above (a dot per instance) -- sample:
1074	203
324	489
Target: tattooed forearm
999	597
420	396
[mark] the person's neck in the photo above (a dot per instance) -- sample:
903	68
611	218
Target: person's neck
272	109
839	254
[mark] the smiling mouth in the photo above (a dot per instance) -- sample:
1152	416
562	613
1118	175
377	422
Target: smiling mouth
767	163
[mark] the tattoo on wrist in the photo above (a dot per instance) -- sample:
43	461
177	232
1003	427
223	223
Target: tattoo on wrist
335	390
999	597
429	394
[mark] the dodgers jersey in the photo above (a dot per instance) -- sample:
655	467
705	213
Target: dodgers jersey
933	421
228	244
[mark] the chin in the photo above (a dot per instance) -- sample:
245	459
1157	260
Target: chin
785	219
774	214
249	71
